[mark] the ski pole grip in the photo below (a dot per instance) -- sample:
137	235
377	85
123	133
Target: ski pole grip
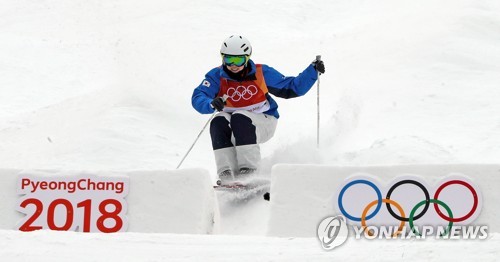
318	58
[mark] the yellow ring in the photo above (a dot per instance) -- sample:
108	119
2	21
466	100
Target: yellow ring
387	201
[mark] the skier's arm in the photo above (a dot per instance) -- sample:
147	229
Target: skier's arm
205	93
288	86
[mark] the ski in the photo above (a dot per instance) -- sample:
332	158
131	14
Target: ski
245	189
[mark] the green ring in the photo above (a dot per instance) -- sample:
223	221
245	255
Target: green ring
435	201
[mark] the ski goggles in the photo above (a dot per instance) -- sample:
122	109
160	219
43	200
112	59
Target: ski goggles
237	60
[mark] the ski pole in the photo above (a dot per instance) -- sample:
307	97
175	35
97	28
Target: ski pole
318	58
201	132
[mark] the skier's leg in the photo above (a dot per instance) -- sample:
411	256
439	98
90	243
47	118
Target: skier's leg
225	160
250	129
224	151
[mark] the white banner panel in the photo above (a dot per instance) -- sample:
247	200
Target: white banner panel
303	195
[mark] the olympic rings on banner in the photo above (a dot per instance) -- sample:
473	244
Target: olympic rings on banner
436	202
412	217
388	202
360	181
474	206
408	181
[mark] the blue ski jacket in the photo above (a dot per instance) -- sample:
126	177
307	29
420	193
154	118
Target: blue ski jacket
277	84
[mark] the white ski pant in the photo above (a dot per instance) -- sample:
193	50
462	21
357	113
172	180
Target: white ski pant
236	138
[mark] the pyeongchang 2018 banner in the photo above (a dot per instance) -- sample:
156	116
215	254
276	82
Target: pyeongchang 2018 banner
83	202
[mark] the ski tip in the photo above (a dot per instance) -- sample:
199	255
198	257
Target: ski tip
230	186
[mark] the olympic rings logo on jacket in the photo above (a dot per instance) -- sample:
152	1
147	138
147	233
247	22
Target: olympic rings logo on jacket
457	195
242	92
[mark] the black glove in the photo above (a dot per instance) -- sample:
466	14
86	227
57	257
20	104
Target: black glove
218	103
319	66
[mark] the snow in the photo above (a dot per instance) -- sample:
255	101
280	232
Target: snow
64	246
106	86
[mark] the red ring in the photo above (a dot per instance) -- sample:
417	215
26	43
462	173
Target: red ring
458	219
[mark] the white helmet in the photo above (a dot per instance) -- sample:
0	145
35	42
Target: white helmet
236	45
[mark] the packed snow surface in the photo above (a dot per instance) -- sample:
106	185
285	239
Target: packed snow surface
106	85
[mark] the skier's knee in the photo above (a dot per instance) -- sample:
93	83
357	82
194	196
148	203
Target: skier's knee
220	133
243	130
218	123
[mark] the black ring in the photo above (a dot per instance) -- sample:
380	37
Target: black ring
408	181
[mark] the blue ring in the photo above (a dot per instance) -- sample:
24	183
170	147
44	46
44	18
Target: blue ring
360	181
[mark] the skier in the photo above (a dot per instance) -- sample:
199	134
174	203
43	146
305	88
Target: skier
240	91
